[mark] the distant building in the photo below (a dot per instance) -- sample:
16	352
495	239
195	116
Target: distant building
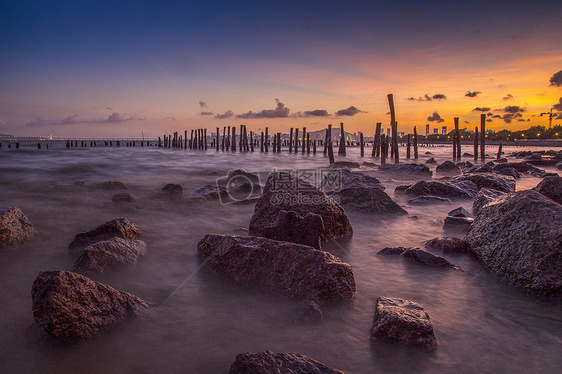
388	132
444	130
427	129
436	131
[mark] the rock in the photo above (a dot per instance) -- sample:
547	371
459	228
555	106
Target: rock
208	191
559	165
484	196
282	363
370	164
241	174
457	223
246	191
123	198
406	168
465	185
518	237
488	180
429	200
404	322
284	192
418	256
345	164
465	165
170	192
448	245
117	228
344	178
15	227
510	172
110	186
115	252
291	227
436	188
551	187
280	267
431	161
428	153
533	157
502	160
460	212
310	313
368	200
72	307
521	167
448	167
480	169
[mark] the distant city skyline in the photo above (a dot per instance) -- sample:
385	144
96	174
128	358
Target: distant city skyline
122	68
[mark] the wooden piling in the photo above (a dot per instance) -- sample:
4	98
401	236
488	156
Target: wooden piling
262	143
297	141
205	138
191	140
454	146
314	147
251	141
274	143
362	144
476	143
326	141
499	155
330	146
383	149
308	141
394	128
377	140
291	140
303	139
233	139
341	150
415	143
483	138
408	145
458	136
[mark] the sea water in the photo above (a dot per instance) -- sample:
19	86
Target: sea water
199	322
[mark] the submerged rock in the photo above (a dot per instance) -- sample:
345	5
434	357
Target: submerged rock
346	164
280	267
448	245
488	180
116	228
123	198
291	227
551	187
484	196
429	200
15	227
368	200
170	192
345	178
110	186
418	256
72	307
431	161
458	219
310	313
436	188
448	167
403	322
406	168
518	237
284	192
209	191
105	254
282	363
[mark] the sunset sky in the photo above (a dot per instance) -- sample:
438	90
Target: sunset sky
122	68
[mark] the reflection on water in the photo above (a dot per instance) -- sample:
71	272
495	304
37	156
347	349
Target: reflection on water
482	324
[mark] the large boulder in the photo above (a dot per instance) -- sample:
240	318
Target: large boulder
435	188
116	228
551	187
112	253
268	362
518	237
404	322
485	196
488	180
429	200
72	307
345	178
280	267
521	167
283	191
448	167
368	200
406	168
291	227
15	227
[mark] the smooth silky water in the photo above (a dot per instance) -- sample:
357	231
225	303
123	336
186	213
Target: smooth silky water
199	322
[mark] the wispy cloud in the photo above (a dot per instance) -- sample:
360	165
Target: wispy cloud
350	111
426	97
281	111
481	109
508	97
75	119
472	94
226	114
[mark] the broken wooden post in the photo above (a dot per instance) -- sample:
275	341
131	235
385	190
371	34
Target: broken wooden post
308	141
454	147
499	155
361	144
314	147
205	138
261	143
217	137
415	143
394	127
383	149
377	140
233	139
297	141
266	140
291	141
330	146
408	145
341	150
476	143
482	137
303	139
328	131
458	138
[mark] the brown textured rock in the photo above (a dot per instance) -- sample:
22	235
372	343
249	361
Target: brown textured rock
484	196
519	236
488	180
291	227
170	192
551	187
116	228
448	167
268	362
310	313
105	254
402	321
418	256
435	188
72	307
280	267
123	198
284	192
448	245
15	227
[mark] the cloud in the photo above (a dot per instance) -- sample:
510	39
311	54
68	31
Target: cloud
206	113
559	116
556	79
513	109
435	117
281	111
508	97
169	118
226	114
119	118
74	119
313	113
472	94
481	109
439	97
426	97
108	108
202	104
558	106
351	111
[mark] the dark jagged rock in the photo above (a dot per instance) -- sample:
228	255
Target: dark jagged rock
370	164
310	313
110	186
406	168
518	237
418	256
460	212
484	196
72	307
502	160
392	251
106	254
465	185
123	198
458	219
551	187
116	228
448	245
345	178
291	227
368	200
510	172
488	180
346	164
428	153
448	167
284	192
480	169
280	267
465	165
559	165
209	191
170	192
436	188
521	167
431	161
15	227
403	322
429	200
268	362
